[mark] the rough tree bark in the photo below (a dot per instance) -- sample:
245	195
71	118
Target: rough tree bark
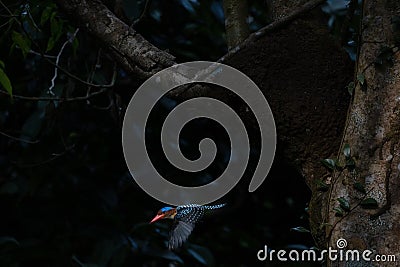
281	8
373	135
129	48
236	27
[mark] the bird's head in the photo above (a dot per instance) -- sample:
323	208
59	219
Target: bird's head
165	213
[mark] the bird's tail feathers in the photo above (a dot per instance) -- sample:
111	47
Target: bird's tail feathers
213	207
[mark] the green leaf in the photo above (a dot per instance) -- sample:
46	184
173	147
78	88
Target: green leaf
350	88
23	43
201	254
47	12
81	264
9	188
75	45
329	163
359	187
50	44
346	150
344	204
339	211
8	240
165	254
322	186
2	65
56	27
350	163
369	203
33	125
361	78
300	229
5	82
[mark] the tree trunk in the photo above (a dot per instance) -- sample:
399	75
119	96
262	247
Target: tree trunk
372	135
236	27
281	8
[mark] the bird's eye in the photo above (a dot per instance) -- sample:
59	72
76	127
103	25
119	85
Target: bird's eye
159	212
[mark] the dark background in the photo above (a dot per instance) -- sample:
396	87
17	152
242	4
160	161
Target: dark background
66	195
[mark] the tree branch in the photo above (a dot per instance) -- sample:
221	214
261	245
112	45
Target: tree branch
56	99
70	40
19	139
129	48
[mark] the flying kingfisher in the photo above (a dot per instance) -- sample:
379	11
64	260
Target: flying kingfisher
185	218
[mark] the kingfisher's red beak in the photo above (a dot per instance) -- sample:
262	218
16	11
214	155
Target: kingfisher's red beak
158	217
